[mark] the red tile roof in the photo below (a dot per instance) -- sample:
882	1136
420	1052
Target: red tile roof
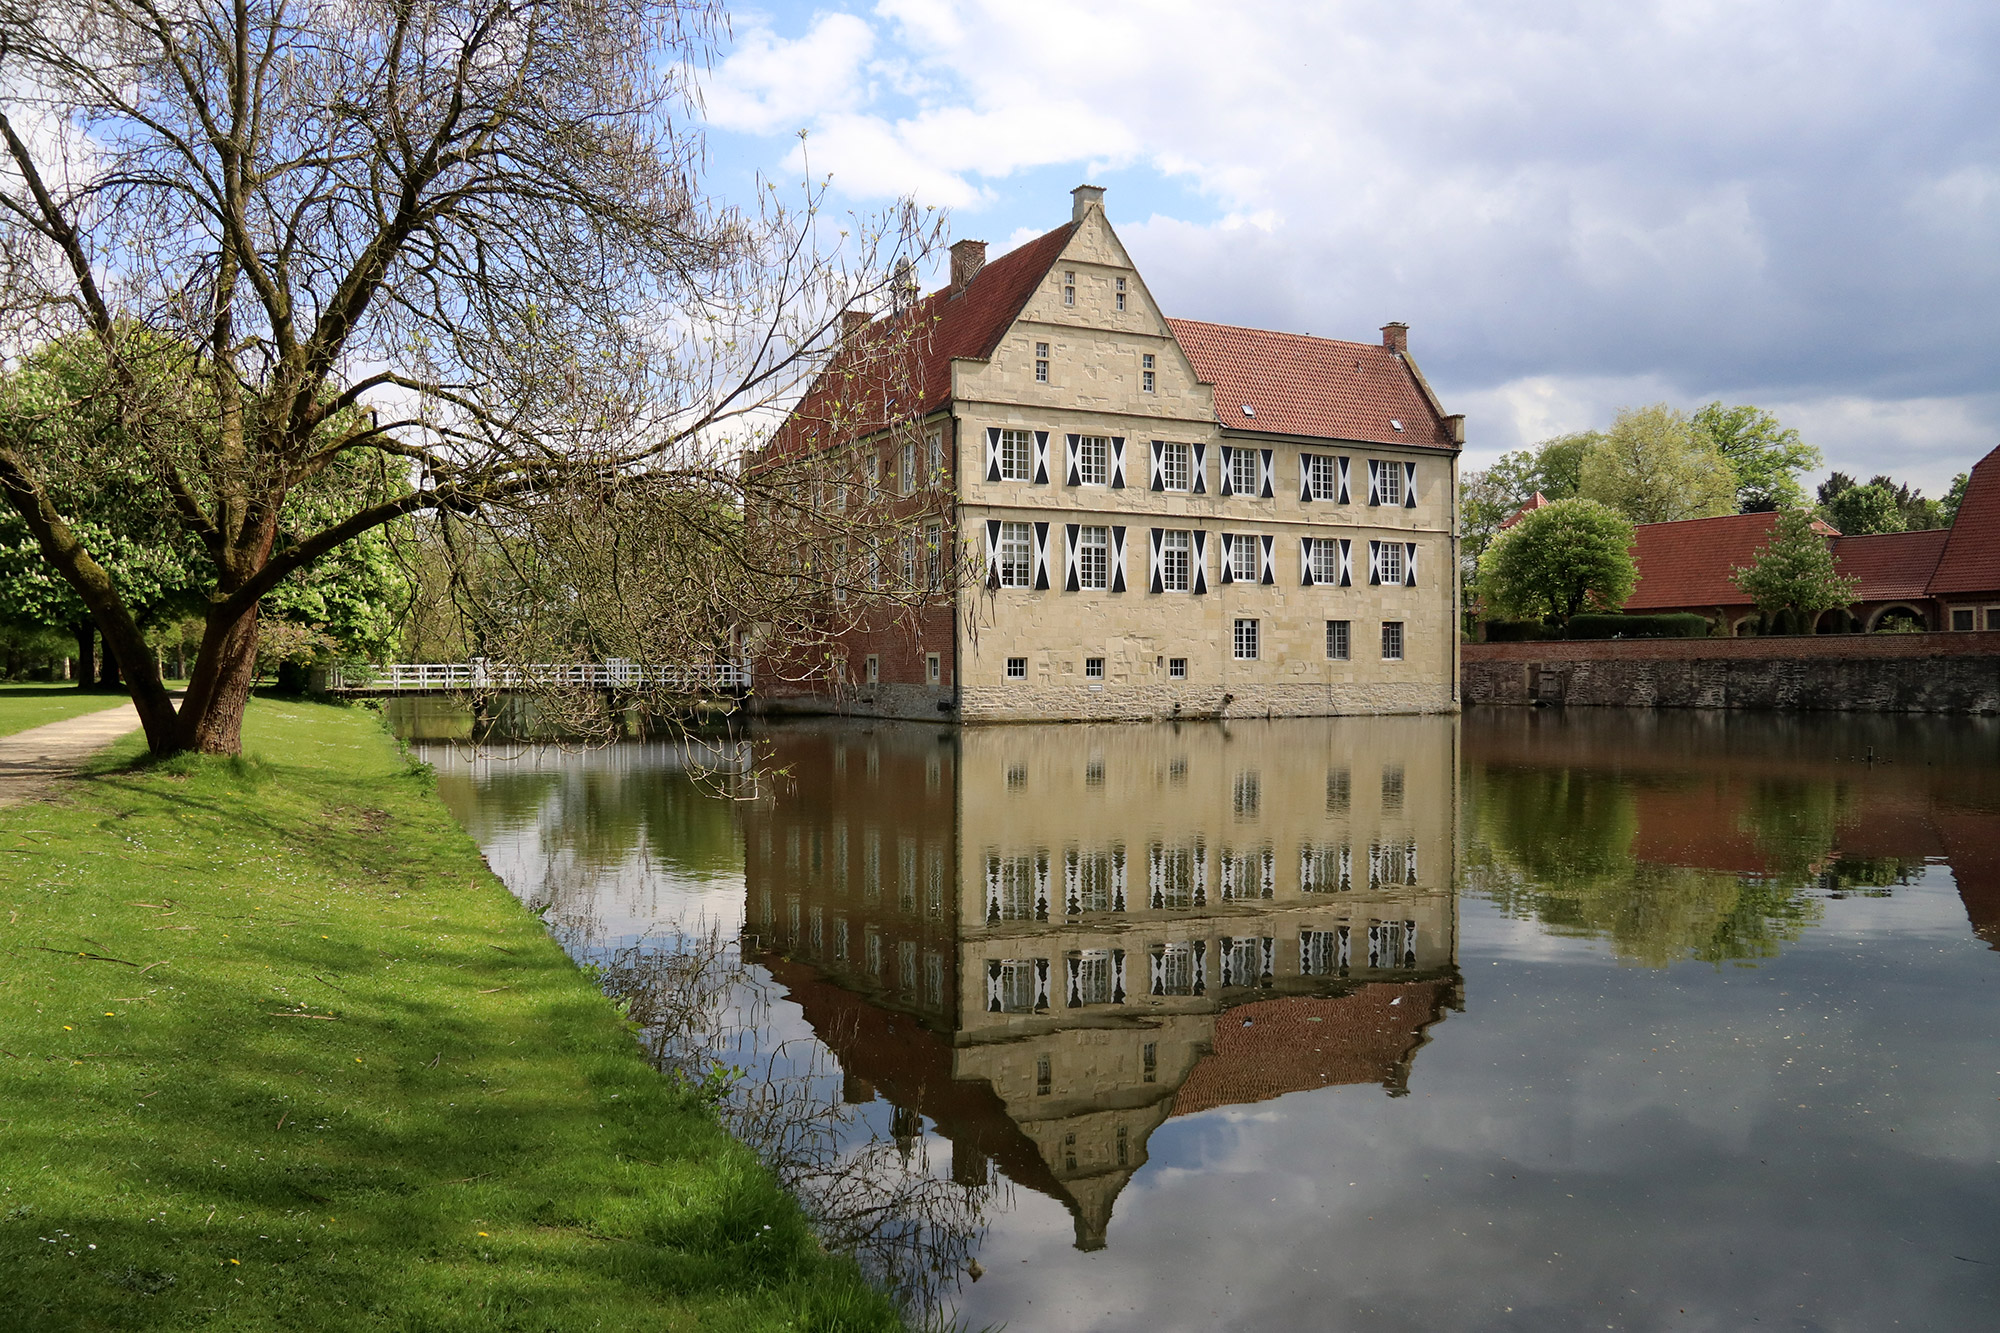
1971	559
1317	387
1692	562
1890	565
1537	501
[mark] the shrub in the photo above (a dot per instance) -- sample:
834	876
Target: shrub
1516	631
1676	625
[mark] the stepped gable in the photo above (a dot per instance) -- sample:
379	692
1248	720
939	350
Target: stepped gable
1971	558
878	377
1316	388
1890	565
1691	562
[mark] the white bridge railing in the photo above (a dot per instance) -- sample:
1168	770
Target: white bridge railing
445	677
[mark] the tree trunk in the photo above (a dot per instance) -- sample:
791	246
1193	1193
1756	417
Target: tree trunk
86	654
211	714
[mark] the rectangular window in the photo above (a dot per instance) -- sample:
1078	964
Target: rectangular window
1177	467
1017	668
1392	789
934	455
1118	290
1176	559
874	669
906	476
839	571
933	669
1243	472
1093	668
873	471
1149	1061
1961	618
934	555
1392	641
1339	790
1146	373
1069	288
1993	617
1043	1076
1326	561
1243	558
913	560
1092	455
1245	640
1093	561
1337	640
1391	562
1389	482
1015	539
1323	475
1017	455
1176	668
1041	363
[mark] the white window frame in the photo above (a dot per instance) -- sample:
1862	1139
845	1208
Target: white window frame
934	448
1176	560
933	667
1015	557
1177	668
1392	641
1093	668
1176	459
1069	287
1118	289
1017	455
1093	460
1093	558
1389	560
1017	668
1243	562
1323	475
1326	561
1244	468
1389	483
1146	381
1339	640
1244	639
906	479
1041	363
934	555
872	669
838	560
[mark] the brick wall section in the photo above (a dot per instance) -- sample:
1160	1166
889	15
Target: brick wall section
1900	673
900	641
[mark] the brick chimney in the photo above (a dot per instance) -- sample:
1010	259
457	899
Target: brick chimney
1396	336
1084	198
967	258
852	322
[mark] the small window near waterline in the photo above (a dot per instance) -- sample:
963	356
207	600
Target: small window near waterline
1176	668
1093	668
1017	668
1392	641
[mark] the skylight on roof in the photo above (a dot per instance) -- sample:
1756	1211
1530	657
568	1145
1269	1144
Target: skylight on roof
1395	423
1249	411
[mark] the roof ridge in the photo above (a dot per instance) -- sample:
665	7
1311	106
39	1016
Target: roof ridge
1279	333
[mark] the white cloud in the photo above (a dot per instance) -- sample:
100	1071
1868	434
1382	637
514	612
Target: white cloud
769	85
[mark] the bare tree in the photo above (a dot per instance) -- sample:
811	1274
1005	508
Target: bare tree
456	251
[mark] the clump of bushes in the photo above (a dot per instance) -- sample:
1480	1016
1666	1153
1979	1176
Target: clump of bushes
1677	625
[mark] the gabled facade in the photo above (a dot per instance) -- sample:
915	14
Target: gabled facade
1162	517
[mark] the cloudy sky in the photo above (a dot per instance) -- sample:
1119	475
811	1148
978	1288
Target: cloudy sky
1574	205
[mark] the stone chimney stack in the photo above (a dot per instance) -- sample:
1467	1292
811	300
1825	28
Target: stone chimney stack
852	322
967	258
1084	198
1396	336
903	286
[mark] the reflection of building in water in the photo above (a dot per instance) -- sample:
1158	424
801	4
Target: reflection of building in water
1050	939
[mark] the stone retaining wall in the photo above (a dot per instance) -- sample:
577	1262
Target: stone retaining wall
1889	673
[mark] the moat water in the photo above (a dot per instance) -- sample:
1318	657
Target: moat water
1521	1020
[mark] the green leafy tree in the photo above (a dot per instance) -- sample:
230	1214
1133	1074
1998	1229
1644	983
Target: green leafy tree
1767	457
1559	560
1654	466
1860	511
1953	498
1795	576
1490	497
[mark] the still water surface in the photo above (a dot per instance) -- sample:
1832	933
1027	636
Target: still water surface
1522	1020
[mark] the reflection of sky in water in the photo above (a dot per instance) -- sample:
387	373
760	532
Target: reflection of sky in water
1803	1134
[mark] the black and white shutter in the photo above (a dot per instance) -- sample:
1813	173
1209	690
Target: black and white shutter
1409	485
1041	458
1305	562
1118	560
1346	563
1374	562
1267	567
1201	469
1041	985
1118	976
992	453
1305	478
1223	485
992	888
1118	896
1075	977
993	985
1228	553
1072	883
1041	886
1073	478
1410	564
1154	481
1199	584
1374	482
1342	464
1154	579
1267	467
1070	580
1041	581
1118	462
992	552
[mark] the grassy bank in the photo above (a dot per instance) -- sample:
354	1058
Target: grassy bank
276	1050
24	706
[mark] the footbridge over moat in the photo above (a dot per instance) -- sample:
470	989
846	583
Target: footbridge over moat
484	677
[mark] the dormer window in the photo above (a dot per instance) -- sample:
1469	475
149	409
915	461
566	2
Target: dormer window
1146	372
1118	291
1041	363
1069	288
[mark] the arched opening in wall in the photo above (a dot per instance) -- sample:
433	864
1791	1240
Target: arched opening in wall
1899	620
1836	621
1747	628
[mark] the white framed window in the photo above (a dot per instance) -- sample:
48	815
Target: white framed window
934	555
1243	471
1041	363
872	470
1338	642
1093	558
1176	668
1069	288
839	571
1093	453
873	669
1323	476
1016	539
1017	455
1389	482
875	564
1176	559
933	668
1326	561
1146	372
1245	640
906	477
1093	668
1017	668
1392	641
1243	557
1118	291
934	455
1177	466
913	559
1391	559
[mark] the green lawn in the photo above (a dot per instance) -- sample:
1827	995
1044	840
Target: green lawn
24	706
277	1051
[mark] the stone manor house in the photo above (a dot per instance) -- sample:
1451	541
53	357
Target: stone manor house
1172	518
